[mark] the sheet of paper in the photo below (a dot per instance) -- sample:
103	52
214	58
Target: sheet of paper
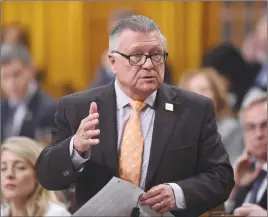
117	198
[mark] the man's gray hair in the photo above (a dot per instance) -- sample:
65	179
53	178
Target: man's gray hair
136	23
252	100
9	53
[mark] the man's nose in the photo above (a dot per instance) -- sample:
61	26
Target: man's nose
148	64
260	133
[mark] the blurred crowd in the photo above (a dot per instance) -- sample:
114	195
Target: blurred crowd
234	78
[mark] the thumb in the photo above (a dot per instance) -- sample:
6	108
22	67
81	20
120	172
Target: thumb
93	108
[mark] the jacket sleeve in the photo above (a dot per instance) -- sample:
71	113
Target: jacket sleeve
54	167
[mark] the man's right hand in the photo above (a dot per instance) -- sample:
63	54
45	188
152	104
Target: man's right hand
83	139
244	176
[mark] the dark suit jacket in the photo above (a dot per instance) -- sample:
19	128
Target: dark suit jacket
40	115
186	148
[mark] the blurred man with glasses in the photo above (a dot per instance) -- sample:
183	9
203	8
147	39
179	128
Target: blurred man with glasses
158	137
250	191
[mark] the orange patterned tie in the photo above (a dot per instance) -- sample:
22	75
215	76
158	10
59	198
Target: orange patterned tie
131	152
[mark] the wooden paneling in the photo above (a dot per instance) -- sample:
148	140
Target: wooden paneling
69	37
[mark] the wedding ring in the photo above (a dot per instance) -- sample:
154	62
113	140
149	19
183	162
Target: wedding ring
84	135
161	205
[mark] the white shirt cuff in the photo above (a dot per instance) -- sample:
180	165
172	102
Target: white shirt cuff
77	160
179	195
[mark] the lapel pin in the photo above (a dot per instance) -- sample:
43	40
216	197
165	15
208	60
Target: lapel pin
169	107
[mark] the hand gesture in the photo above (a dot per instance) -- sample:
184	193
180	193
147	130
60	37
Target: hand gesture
83	139
244	176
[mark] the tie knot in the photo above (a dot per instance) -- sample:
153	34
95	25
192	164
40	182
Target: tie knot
137	106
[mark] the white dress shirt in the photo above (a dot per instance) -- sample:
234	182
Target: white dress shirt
147	116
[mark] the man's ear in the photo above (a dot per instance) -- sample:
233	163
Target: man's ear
112	61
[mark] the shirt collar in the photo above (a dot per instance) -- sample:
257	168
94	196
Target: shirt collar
122	99
264	166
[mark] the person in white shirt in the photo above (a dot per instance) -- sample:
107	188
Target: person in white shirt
22	194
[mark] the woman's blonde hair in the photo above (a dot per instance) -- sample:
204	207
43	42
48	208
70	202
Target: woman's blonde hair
218	87
29	149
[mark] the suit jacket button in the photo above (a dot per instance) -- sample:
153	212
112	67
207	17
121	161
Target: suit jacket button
66	173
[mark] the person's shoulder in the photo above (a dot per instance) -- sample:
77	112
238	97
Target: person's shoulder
46	98
189	98
55	209
82	96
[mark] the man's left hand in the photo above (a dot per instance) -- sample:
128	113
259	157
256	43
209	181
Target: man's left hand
160	198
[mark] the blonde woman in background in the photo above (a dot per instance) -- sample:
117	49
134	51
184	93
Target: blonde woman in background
209	83
21	194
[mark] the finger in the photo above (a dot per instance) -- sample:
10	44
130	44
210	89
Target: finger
242	211
152	201
156	207
93	108
164	210
151	193
91	142
91	117
256	172
92	133
90	124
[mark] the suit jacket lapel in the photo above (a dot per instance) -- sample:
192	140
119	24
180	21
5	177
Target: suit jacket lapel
31	116
4	115
163	126
106	102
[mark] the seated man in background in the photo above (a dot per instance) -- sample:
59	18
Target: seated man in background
25	109
251	167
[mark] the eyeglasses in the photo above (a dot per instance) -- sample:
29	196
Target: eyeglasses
250	128
140	59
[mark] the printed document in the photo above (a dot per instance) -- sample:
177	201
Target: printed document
117	198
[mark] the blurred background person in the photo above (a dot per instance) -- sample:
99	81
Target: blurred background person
255	51
21	192
254	48
104	75
209	83
16	34
250	170
229	62
25	109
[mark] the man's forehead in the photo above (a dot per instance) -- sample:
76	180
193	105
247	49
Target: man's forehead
255	111
14	63
132	39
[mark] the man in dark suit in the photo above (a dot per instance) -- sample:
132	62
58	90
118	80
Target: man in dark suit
25	109
251	167
169	146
